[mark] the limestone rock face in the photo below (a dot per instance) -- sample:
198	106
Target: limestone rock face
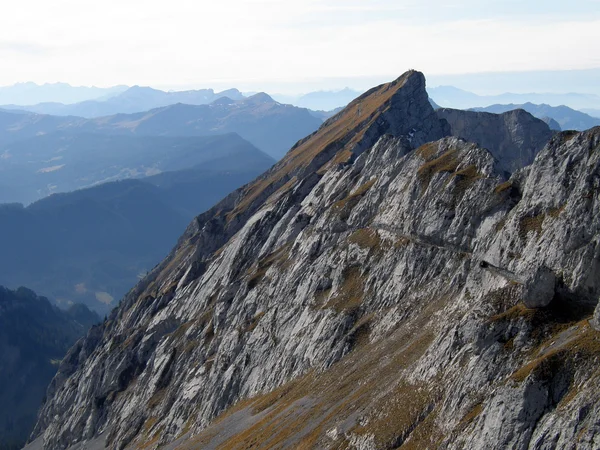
595	321
339	301
539	288
513	137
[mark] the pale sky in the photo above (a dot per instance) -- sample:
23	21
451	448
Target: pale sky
243	43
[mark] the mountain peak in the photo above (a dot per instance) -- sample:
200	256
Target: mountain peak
137	90
398	108
232	93
223	101
402	105
259	98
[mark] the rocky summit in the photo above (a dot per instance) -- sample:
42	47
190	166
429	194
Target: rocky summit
386	285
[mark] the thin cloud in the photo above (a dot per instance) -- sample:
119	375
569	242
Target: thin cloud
190	42
22	47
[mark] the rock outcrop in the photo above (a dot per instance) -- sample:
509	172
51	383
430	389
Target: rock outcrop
552	124
340	301
513	137
539	288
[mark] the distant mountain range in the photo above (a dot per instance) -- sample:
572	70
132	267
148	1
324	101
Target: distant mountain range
31	93
90	245
33	168
558	116
452	97
584	80
34	337
271	126
320	100
90	102
96	102
567	118
134	99
591	112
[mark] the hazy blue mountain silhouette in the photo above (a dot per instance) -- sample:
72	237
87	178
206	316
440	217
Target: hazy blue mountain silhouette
30	93
320	100
271	126
91	245
453	97
134	99
33	168
592	112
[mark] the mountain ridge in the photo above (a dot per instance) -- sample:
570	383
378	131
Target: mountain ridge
60	162
90	245
131	100
270	126
514	137
453	97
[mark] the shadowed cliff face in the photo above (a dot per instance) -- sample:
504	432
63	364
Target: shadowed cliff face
34	336
513	137
366	292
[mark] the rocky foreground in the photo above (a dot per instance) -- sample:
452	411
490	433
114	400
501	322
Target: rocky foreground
386	285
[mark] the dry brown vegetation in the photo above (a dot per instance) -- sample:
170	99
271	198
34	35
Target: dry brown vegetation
555	212
501	223
567	135
344	207
560	332
585	344
530	223
514	313
300	413
472	414
258	271
350	293
427	151
503	187
447	162
465	179
399	414
367	238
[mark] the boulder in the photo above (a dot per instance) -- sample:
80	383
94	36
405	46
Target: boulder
538	288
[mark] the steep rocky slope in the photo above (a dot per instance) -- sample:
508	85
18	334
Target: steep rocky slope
372	290
515	135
